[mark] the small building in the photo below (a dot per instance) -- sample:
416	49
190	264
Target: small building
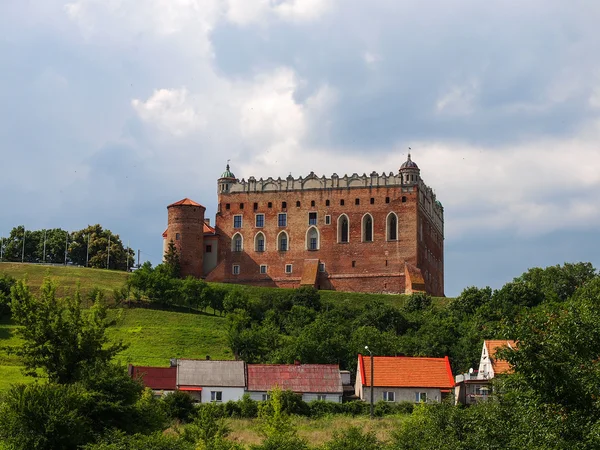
404	378
475	386
212	381
312	381
162	380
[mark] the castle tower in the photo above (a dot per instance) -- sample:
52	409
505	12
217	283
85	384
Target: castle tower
410	172
226	180
186	230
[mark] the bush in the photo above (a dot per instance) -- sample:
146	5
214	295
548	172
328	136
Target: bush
320	408
383	409
248	407
179	405
356	408
404	407
232	409
353	439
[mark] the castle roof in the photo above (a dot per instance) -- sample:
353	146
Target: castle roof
228	173
185	202
409	164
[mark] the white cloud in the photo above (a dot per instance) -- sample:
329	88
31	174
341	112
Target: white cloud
170	110
458	100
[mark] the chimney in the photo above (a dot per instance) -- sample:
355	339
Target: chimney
207	221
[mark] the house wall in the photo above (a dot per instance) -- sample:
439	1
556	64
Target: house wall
229	393
210	258
485	365
307	397
402	394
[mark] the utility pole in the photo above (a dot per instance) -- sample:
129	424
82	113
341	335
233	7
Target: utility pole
87	253
23	249
66	247
369	350
138	265
1	247
108	253
127	269
44	257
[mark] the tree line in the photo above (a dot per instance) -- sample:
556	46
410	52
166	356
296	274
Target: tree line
92	246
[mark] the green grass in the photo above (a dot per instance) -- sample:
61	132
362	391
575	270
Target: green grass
67	277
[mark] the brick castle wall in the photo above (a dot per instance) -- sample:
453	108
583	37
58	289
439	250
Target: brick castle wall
185	229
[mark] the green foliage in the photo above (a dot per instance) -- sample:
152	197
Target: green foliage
6	283
58	336
172	263
418	302
117	440
209	429
44	417
179	405
353	438
307	296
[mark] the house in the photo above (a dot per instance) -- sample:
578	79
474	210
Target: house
475	386
212	381
404	378
312	381
162	380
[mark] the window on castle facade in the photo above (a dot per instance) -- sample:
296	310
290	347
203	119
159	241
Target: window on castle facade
288	268
343	227
227	206
326	202
263	268
321	267
367	227
260	220
392	227
357	201
298	204
270	205
235	269
282	219
312	238
259	245
177	236
387	199
312	218
282	242
372	201
237	221
342	202
255	206
284	205
237	243
209	249
241	206
312	203
327	220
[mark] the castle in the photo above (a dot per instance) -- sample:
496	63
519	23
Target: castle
369	233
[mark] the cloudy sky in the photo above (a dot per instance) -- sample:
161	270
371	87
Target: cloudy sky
112	109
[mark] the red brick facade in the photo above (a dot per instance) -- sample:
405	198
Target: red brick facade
185	229
376	233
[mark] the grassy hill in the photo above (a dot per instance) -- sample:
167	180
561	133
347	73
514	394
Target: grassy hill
154	336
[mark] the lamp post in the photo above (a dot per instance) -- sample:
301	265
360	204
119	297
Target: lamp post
371	353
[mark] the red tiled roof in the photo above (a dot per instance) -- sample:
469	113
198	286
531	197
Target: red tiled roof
157	377
208	229
185	202
406	371
302	378
499	365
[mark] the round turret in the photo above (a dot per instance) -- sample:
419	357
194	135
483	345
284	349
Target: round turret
186	230
226	180
410	171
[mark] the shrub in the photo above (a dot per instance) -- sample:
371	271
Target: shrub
179	405
248	407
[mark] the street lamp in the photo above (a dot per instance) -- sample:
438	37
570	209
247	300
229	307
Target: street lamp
371	353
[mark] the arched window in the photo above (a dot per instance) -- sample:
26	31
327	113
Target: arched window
312	239
237	243
392	227
343	228
367	228
283	243
259	242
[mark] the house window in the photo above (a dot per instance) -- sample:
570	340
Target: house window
235	269
255	206
209	249
312	218
392	227
263	268
312	203
372	201
327	220
343	228
260	220
357	201
227	206
237	221
241	206
420	397
321	267
237	243
367	228
387	199
266	397
216	396
341	202
298	204
282	242
282	219
288	268
326	202
284	205
312	239
353	263
259	242
322	397
389	396
177	236
269	205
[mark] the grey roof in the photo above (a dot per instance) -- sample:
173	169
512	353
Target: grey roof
210	373
409	164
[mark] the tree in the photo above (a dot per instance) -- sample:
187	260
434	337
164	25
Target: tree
102	244
6	283
58	336
172	262
353	438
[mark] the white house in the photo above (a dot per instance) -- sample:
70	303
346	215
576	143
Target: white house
212	381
